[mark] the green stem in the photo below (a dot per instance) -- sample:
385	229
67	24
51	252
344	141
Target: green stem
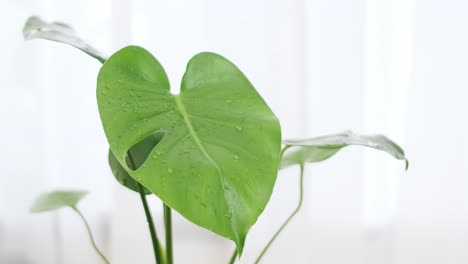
233	257
284	149
149	217
301	195
152	229
168	226
91	235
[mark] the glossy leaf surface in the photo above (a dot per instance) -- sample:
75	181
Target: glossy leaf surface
57	199
217	162
321	148
36	28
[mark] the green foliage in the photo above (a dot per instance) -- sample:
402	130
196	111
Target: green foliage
218	160
302	151
211	152
57	199
36	28
317	149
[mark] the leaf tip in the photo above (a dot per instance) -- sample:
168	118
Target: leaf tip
29	27
239	240
239	248
33	209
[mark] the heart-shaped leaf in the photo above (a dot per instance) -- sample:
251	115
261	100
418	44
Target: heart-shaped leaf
57	199
36	28
317	149
217	163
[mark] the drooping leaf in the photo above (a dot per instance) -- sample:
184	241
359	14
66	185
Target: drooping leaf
317	149
139	152
57	199
122	176
36	28
217	163
302	155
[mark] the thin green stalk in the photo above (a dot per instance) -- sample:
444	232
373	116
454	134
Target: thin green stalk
284	150
233	257
168	227
301	195
149	217
91	235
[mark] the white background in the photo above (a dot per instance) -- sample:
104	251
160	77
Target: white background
374	66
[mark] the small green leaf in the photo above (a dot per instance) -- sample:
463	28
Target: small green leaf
35	28
57	199
54	200
217	161
317	149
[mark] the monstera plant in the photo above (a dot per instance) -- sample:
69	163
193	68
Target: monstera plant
211	152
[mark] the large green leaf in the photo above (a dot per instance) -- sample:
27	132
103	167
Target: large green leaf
317	149
36	28
57	199
218	160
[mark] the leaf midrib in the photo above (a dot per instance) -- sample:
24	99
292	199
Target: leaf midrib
181	108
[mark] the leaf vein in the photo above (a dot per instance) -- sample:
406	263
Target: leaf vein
183	112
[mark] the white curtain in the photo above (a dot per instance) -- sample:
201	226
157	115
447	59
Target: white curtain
377	66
